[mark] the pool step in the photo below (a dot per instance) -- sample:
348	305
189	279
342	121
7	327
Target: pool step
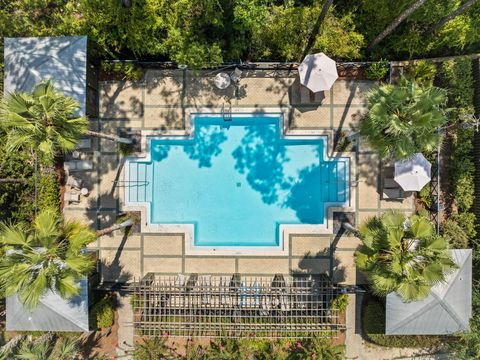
335	174
140	182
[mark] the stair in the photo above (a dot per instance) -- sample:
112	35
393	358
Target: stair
140	182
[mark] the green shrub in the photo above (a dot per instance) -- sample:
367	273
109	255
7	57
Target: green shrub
424	197
129	71
466	221
454	234
422	72
377	70
16	199
456	77
373	322
48	192
103	313
340	303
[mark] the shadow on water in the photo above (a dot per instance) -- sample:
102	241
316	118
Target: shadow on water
305	194
205	145
261	159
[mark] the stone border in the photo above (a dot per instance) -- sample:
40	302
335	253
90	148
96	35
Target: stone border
286	230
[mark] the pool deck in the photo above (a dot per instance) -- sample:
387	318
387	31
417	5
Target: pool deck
161	102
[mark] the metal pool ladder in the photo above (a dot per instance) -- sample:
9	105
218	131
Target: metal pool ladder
227	115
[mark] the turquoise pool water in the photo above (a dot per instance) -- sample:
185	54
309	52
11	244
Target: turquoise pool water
237	180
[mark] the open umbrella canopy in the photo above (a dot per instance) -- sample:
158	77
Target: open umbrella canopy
414	173
318	72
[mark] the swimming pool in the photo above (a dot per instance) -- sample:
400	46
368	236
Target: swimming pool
237	181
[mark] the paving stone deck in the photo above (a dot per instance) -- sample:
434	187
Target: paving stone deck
158	101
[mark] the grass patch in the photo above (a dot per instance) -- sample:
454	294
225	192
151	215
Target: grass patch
373	327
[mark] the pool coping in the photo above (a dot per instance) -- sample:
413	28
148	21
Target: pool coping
285	230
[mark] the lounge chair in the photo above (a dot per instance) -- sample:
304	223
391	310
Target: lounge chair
391	190
74	182
71	197
78	165
84	144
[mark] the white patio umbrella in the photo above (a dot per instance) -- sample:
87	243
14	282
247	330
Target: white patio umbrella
414	173
318	72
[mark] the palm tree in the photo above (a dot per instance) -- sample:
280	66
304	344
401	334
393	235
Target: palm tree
44	120
46	347
402	255
49	255
398	20
404	119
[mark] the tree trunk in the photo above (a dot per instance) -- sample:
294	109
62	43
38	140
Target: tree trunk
462	8
347	226
394	24
316	28
110	137
115	227
12	181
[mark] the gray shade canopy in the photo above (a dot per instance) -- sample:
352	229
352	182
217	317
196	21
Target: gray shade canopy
446	310
53	313
63	60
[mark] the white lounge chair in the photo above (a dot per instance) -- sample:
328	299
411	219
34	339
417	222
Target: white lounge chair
71	197
74	182
78	165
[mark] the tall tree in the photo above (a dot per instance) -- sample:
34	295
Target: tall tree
49	255
395	23
404	119
402	255
316	28
443	21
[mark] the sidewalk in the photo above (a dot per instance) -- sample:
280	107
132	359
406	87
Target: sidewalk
125	327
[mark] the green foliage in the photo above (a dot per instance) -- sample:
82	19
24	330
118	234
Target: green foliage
403	119
456	77
411	38
422	72
377	70
48	192
48	346
316	349
454	234
466	220
373	322
280	30
462	168
424	196
153	348
402	255
102	313
128	71
44	120
16	199
340	303
48	255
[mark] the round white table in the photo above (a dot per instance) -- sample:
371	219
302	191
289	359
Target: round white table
222	81
84	191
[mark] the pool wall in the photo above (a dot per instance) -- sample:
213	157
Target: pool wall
285	230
